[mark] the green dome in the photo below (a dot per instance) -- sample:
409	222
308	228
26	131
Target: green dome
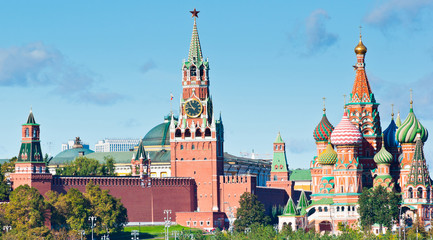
69	155
383	156
329	156
406	133
159	135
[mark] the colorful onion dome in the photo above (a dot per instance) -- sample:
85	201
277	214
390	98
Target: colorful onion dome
329	156
389	135
406	133
383	156
323	130
346	133
360	48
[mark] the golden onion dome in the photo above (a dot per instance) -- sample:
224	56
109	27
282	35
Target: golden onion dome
360	48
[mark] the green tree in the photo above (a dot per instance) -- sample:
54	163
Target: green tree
109	166
110	212
250	211
377	205
81	166
26	209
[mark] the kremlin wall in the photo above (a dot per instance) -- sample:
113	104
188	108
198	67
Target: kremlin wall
202	192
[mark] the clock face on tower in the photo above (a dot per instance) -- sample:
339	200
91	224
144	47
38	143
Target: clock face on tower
193	108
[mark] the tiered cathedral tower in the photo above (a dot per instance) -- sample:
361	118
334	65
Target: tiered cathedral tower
30	167
197	138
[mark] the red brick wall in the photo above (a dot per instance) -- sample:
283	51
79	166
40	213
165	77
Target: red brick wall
144	203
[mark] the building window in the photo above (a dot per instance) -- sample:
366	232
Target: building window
181	147
194	223
208	223
193	147
188	223
275	176
325	209
27	132
201	223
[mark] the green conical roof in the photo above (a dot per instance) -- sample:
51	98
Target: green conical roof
279	139
419	174
290	209
141	152
303	202
195	55
31	119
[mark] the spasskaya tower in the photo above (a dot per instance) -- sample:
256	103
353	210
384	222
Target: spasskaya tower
196	139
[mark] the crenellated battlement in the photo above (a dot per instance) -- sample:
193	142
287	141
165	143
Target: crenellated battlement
120	181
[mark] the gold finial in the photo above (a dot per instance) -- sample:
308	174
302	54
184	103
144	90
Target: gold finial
324	108
392	110
360	48
344	96
411	100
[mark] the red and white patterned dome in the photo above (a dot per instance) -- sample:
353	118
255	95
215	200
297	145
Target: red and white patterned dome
346	133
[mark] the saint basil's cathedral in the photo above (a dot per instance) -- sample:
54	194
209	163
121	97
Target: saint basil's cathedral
353	155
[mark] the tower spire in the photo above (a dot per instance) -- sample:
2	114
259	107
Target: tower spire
392	110
411	99
195	55
324	107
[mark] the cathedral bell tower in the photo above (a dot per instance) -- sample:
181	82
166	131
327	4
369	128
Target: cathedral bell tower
196	140
30	167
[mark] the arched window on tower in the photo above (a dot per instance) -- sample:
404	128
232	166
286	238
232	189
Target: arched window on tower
187	133
207	132
193	71
275	178
410	193
27	132
201	71
198	133
178	133
34	132
428	193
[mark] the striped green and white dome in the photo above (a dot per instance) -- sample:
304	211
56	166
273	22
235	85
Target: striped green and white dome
406	133
383	156
329	156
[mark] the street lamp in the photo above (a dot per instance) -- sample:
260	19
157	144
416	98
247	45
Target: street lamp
7	228
134	234
82	233
167	223
175	233
92	218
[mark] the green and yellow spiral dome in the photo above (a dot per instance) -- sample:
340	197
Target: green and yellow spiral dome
329	156
383	156
406	133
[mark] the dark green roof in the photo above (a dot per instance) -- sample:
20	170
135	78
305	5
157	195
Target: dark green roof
300	175
323	201
159	135
141	152
31	118
69	155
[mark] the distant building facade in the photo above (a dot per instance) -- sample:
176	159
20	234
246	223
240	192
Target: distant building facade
70	145
116	145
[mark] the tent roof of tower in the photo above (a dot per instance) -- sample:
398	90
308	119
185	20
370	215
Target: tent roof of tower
303	201
31	120
279	139
290	209
141	152
419	164
195	55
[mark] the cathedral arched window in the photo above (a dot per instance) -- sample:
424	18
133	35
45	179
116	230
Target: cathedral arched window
181	147
325	209
27	132
198	133
193	71
275	178
193	147
428	193
410	193
419	192
201	71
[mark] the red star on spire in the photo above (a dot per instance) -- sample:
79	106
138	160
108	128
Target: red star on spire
194	13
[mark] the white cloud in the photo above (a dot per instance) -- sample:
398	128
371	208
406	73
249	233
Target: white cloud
36	65
318	37
398	12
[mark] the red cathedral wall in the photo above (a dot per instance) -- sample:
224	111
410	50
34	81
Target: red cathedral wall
144	203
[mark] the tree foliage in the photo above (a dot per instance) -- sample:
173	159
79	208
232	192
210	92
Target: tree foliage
377	205
6	168
250	211
83	166
26	209
72	210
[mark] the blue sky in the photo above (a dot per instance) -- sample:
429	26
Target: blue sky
96	69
